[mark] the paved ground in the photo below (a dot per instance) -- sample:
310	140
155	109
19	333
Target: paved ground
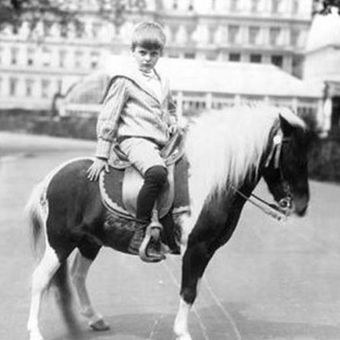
271	282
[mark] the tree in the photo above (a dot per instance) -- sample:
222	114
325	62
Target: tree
13	12
324	6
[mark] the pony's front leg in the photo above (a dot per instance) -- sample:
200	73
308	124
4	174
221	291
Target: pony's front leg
80	268
194	263
41	277
181	322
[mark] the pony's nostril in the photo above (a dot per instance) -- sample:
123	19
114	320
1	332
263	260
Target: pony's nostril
302	212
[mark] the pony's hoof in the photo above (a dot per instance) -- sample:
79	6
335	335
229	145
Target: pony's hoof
184	337
99	325
36	336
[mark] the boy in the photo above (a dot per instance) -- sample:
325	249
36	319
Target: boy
139	114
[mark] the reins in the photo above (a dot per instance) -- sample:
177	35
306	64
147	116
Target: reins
269	208
264	206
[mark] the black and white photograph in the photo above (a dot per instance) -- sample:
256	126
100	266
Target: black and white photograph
170	169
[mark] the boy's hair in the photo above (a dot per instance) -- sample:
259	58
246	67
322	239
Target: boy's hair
149	35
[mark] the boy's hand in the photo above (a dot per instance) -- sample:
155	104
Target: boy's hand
96	168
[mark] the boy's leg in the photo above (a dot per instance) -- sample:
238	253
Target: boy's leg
154	180
144	155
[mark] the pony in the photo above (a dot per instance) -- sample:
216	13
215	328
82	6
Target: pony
228	152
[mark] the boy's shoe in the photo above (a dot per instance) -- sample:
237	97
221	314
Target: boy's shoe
146	242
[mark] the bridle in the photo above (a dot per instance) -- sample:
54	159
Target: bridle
278	211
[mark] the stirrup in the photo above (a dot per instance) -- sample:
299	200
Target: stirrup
152	233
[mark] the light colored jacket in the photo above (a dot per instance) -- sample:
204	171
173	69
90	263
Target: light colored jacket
132	109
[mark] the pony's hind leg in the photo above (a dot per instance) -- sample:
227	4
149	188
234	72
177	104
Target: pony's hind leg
42	276
79	271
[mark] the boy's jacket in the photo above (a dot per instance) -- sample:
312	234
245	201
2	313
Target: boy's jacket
131	108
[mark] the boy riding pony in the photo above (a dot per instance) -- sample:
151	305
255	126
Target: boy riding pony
138	114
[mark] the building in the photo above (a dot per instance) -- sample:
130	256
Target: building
36	65
199	85
322	66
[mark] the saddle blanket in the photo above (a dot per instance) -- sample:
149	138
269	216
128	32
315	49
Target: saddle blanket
119	189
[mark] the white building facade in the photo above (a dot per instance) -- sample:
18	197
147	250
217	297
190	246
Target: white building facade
322	65
35	66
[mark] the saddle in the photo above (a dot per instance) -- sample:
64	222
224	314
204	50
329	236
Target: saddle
120	186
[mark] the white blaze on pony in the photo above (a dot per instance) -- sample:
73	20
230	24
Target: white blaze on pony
227	149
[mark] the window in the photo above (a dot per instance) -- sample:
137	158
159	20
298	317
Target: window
233	31
94	59
29	87
47	25
13	84
295	7
96	29
30	57
276	6
80	29
46	57
59	85
63	30
234	57
78	59
294	37
211	35
233	5
255	58
277	60
173	32
14	55
211	56
274	34
189	55
15	28
62	58
45	86
253	35
297	63
173	55
254	6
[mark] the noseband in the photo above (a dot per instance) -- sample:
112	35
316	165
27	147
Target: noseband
278	211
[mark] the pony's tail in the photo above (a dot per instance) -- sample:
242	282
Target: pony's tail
36	211
33	211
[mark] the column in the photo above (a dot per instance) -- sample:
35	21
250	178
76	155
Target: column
179	107
208	100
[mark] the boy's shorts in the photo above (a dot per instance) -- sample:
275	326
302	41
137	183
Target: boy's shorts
142	153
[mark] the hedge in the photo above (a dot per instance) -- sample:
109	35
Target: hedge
324	157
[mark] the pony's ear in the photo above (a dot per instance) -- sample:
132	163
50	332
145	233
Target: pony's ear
286	127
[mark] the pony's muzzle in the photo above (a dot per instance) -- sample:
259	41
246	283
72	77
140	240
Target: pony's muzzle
301	205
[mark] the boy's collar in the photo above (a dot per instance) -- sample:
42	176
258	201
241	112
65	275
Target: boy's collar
131	71
150	75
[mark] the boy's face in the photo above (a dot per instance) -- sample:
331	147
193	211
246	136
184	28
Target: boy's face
146	59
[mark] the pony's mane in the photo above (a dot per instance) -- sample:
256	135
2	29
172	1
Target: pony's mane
223	146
